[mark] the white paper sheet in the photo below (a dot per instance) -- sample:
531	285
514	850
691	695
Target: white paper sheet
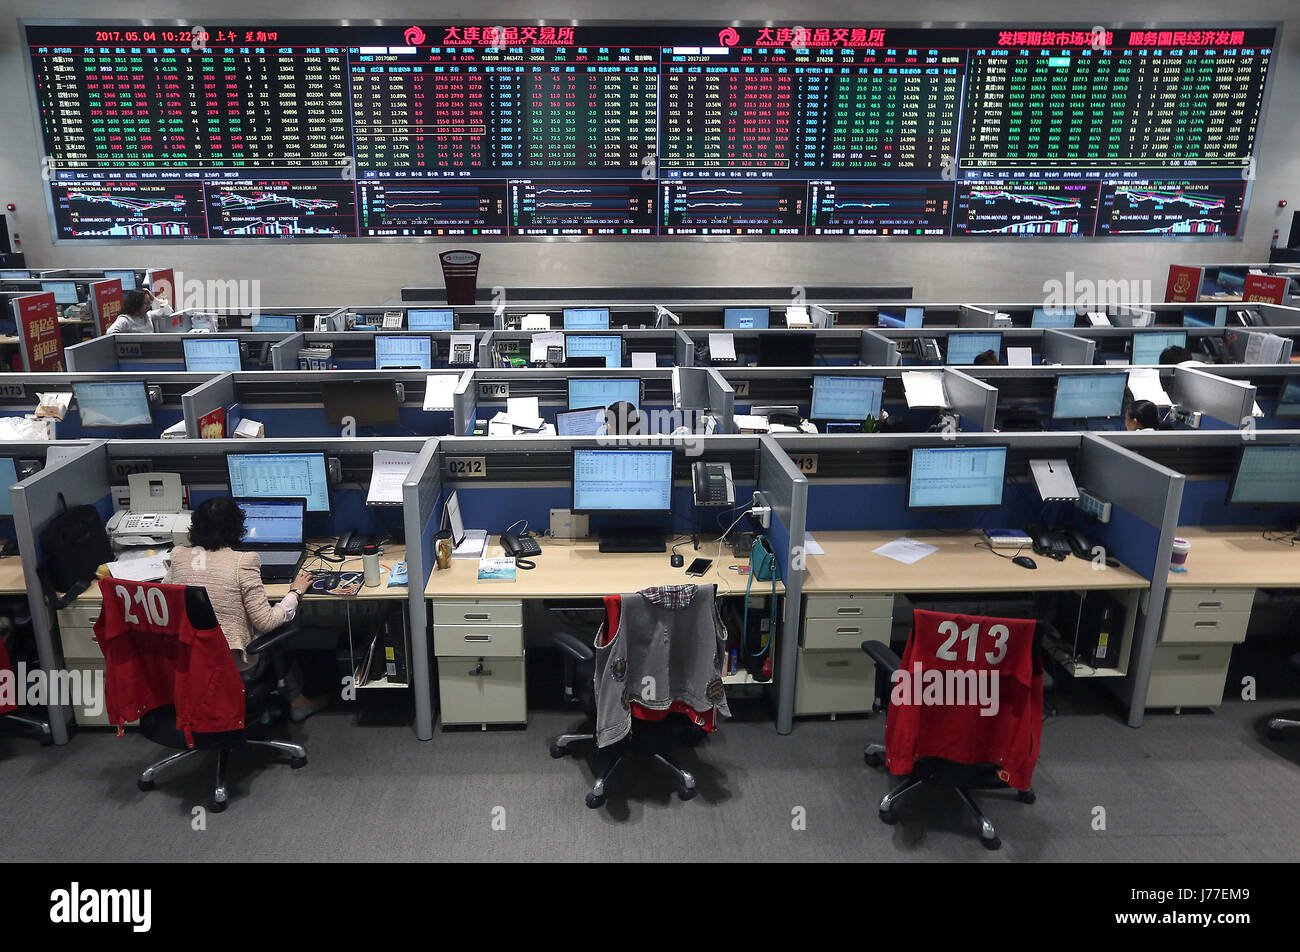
57	454
1144	382
1098	319
722	347
524	413
748	423
1020	356
797	316
535	322
1263	348
906	550
811	546
387	470
147	569
924	388
642	359
440	391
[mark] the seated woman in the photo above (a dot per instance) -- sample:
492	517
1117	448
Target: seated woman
1142	416
234	584
137	309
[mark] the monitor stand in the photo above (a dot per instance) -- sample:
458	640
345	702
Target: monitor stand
632	540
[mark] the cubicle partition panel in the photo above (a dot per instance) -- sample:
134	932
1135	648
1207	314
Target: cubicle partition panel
144	353
216	394
878	350
785	490
1277	392
1228	404
81	479
1271	346
422	505
684	351
1145	499
284	352
99	354
975	401
1060	347
720	399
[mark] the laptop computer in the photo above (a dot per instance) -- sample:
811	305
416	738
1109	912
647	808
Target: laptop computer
273	528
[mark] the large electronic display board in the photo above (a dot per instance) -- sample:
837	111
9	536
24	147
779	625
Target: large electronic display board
636	131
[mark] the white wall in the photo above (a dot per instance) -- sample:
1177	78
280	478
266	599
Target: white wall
950	269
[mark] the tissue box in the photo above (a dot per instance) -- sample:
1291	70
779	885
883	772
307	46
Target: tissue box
249	430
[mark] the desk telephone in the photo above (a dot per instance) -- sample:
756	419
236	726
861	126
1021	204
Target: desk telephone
924	348
1060	543
713	484
520	546
353	543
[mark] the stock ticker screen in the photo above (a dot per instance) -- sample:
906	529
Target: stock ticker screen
646	131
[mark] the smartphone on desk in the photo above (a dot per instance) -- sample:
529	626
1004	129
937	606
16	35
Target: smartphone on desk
698	567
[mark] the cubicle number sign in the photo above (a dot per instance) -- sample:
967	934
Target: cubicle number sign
122	468
12	391
806	462
466	467
493	391
741	387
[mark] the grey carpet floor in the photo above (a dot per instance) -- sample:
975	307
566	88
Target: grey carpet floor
1196	787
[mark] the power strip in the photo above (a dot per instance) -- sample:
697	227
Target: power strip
1094	506
1191	417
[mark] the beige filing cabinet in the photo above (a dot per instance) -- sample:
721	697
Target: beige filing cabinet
834	675
479	644
81	652
1197	632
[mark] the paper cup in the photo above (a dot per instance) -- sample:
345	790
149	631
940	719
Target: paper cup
1181	550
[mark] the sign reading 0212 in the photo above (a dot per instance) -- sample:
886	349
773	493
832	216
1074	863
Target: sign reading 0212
466	467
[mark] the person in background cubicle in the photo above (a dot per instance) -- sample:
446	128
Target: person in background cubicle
234	584
1142	416
138	309
1178	355
987	359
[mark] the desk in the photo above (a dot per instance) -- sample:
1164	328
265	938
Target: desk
11	576
849	598
478	627
1207	610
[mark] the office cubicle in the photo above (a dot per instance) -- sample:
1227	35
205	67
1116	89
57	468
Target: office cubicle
782	347
367	349
373	317
129	406
330	403
665	347
1277	392
140	353
1036	345
92	476
859	484
266	320
512	480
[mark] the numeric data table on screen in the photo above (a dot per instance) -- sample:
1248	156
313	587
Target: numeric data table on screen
661	130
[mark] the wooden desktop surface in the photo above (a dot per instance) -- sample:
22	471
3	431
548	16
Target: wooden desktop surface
390	553
576	568
849	565
1236	557
11	576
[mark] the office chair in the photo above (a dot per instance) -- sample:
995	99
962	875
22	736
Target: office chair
260	699
653	738
1277	726
9	714
977	733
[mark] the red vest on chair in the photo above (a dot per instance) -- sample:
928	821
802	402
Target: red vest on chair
156	657
970	690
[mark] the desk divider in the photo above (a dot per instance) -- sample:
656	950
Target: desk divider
1231	401
284	354
96	354
485	348
1145	498
422	516
1061	347
879	350
972	316
974	399
684	349
721	400
786	491
203	399
465	405
80	480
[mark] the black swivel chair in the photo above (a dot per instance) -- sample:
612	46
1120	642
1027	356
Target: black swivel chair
260	699
1278	726
21	622
655	739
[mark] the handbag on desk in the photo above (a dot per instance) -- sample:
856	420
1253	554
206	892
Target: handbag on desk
758	645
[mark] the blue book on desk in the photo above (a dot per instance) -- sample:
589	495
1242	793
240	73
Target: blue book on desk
500	569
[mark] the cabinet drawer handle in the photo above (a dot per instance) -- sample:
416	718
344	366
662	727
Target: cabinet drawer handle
837	664
1189	657
847	631
852	610
477	616
478	637
1209	604
481	671
1207	624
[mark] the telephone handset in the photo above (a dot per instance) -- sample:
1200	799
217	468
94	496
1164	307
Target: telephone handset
1215	348
520	546
713	484
352	543
928	349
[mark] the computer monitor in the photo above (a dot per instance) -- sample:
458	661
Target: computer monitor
588	421
622	480
126	277
103	404
787	349
1052	317
846	398
964	348
914	316
956	477
1288	402
65	292
586	318
211	355
280	476
402	352
431	319
15	275
1084	396
274	323
598	392
1204	318
1266	476
889	319
272	521
1149	345
746	318
591	345
367	402
8	477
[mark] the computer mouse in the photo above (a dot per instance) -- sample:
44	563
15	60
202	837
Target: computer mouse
1025	562
677	561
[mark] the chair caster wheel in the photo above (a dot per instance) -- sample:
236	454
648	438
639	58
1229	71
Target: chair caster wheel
888	816
686	793
993	844
47	739
218	806
872	759
594	800
557	751
1276	734
298	762
1026	796
144	785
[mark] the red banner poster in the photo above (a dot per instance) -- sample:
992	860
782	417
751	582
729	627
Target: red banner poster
106	302
1264	288
1184	283
38	326
162	282
212	425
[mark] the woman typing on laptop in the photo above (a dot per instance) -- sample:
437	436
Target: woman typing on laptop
233	581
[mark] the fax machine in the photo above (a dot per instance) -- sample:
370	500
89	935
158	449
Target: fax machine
155	517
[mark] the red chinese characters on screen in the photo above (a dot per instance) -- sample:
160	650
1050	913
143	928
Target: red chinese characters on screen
508	36
799	36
